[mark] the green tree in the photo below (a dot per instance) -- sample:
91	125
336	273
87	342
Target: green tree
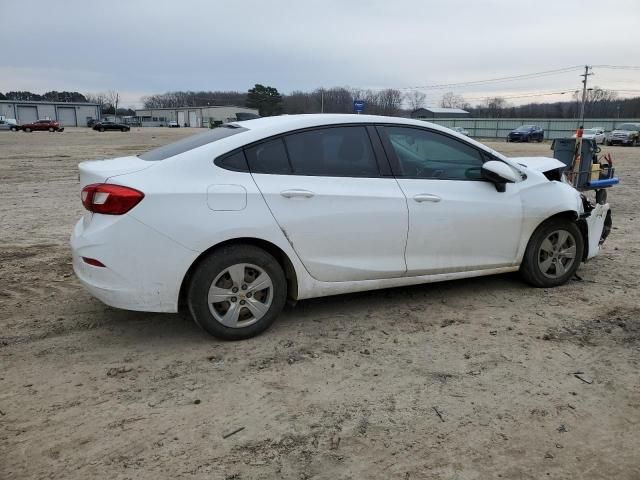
266	100
2	97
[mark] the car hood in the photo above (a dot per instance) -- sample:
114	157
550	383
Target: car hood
539	164
625	132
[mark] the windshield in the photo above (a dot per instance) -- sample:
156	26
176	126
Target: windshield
192	142
524	128
628	126
591	131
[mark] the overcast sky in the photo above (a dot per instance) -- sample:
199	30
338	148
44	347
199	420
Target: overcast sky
152	46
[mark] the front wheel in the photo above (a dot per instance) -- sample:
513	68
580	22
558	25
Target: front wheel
553	254
101	129
27	130
237	292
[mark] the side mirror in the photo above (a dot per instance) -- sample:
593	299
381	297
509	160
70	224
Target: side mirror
498	173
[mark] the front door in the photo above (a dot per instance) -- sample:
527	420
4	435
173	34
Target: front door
325	190
457	221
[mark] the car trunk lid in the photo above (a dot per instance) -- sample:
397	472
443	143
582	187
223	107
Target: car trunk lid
100	171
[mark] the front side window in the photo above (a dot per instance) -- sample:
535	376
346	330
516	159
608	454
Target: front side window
332	152
426	154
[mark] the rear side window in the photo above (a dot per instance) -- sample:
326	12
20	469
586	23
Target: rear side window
332	152
268	157
192	142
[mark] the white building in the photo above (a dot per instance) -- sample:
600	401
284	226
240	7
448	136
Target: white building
193	116
68	114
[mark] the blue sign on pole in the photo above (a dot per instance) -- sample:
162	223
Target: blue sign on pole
358	106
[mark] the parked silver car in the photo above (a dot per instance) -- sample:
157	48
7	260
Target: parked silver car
9	124
461	130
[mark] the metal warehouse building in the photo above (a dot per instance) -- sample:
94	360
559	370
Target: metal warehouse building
193	116
436	112
68	114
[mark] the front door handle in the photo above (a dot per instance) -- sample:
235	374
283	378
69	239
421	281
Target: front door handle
297	193
426	197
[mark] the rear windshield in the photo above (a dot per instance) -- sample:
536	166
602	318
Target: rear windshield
191	142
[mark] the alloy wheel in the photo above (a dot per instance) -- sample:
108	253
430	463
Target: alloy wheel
240	295
556	254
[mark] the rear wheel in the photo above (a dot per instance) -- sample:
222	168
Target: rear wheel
124	129
101	129
27	129
51	129
14	129
553	254
237	292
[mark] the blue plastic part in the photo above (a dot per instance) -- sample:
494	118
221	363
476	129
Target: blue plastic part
607	182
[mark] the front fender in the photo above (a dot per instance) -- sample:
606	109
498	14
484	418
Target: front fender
541	200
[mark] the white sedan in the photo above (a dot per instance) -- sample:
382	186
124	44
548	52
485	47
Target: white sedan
231	222
596	134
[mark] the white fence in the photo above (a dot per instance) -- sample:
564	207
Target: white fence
553	128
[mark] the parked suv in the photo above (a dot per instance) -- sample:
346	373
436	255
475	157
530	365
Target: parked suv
42	125
625	134
526	133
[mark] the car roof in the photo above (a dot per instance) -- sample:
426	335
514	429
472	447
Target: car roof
284	123
264	127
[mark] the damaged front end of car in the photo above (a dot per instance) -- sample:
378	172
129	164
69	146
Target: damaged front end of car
593	216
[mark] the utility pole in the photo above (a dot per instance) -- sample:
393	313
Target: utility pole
322	100
584	93
578	155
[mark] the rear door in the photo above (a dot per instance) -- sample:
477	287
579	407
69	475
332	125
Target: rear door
335	200
457	221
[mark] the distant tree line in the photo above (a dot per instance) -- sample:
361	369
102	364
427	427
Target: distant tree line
268	101
52	96
393	102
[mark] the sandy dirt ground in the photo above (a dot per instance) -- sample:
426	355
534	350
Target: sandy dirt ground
472	379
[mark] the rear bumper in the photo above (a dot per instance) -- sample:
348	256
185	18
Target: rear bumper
143	269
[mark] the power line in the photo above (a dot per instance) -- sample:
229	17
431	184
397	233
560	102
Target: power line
618	67
511	78
526	95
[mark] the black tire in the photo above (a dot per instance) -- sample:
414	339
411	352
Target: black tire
216	263
14	129
28	130
101	129
608	143
51	129
530	269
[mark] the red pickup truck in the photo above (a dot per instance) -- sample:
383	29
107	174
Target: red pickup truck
42	125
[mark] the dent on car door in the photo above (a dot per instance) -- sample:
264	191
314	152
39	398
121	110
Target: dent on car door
344	219
457	220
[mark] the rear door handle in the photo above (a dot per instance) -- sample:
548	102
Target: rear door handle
426	197
297	193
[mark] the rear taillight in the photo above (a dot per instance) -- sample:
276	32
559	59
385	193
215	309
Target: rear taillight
110	199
